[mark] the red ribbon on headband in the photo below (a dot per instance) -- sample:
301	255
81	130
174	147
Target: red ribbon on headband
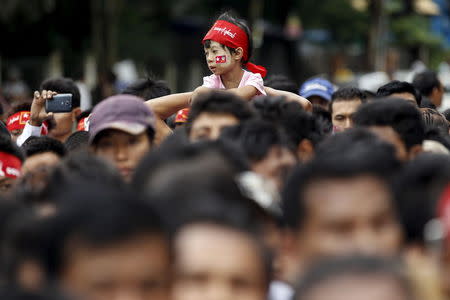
10	165
234	37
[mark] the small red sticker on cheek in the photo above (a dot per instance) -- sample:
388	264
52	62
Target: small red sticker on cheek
221	59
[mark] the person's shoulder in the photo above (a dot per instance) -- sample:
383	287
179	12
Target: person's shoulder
211	81
252	76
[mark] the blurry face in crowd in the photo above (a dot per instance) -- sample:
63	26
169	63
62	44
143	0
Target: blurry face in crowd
212	263
406	96
319	101
276	166
123	149
6	184
346	216
389	135
134	269
342	113
64	125
219	59
357	287
445	269
37	168
437	94
208	126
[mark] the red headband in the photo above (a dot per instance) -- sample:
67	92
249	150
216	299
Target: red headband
234	37
17	120
10	165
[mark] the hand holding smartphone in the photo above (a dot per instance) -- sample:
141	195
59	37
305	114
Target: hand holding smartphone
59	103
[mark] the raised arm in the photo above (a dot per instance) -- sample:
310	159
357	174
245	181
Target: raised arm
290	97
168	105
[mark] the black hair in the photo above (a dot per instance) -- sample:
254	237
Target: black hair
360	266
345	155
227	16
75	167
83	115
282	83
426	81
434	120
16	293
347	94
63	85
37	145
417	188
21	106
10	147
78	140
396	86
256	137
324	117
403	117
169	156
148	88
219	103
99	217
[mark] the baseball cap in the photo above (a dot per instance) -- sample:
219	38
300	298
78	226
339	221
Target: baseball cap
122	112
317	87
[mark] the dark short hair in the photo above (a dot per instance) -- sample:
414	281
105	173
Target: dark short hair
396	86
219	103
359	266
78	140
37	145
403	117
22	106
347	94
63	85
148	88
256	137
99	217
417	189
282	83
348	154
229	17
426	81
10	147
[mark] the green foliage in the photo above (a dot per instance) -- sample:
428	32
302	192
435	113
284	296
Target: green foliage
414	30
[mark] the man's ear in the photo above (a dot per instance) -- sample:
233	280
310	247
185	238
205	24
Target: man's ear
414	151
75	113
238	53
305	150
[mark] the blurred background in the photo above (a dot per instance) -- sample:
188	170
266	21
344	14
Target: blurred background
105	44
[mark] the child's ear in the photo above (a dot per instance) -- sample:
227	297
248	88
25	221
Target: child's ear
239	52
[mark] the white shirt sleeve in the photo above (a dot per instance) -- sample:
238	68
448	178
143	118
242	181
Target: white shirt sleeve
28	130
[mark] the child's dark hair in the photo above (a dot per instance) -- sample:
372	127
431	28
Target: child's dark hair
227	16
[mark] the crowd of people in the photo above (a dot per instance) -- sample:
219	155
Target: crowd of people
245	188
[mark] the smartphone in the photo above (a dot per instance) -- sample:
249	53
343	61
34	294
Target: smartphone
59	103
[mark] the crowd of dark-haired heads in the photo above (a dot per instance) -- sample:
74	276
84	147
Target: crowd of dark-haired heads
154	195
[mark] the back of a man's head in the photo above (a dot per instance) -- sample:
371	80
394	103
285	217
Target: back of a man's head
281	82
426	81
36	145
396	87
61	86
148	88
398	114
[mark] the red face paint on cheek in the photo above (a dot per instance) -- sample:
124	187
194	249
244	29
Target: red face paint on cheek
221	59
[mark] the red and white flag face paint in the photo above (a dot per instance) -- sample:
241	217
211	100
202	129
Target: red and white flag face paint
221	59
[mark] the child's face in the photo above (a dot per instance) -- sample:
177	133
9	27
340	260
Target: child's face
219	58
